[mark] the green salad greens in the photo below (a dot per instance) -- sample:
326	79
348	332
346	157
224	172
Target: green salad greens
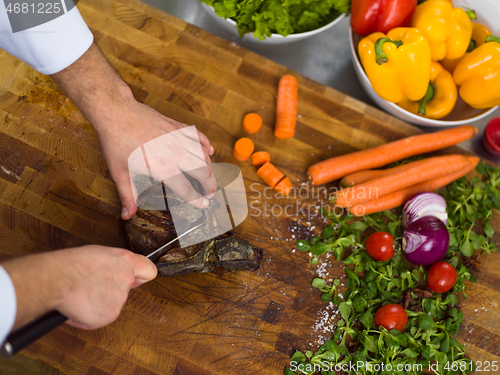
284	17
426	343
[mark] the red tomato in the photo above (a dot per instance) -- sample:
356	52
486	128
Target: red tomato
441	277
391	316
369	16
380	246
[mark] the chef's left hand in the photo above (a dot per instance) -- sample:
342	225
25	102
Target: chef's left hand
125	125
170	147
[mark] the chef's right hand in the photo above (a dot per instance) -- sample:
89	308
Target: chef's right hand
89	284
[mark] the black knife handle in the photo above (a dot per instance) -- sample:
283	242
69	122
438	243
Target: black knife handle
31	332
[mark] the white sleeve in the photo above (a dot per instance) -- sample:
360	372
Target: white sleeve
8	304
49	47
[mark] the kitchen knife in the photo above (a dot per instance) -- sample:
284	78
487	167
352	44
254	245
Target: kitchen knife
31	332
155	255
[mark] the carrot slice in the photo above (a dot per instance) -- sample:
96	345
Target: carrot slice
261	157
398	198
432	168
286	107
284	186
243	148
340	166
270	174
252	123
357	178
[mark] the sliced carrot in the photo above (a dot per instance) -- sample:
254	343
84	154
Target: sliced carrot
243	148
340	166
357	178
398	198
286	107
284	186
252	123
270	174
261	157
435	167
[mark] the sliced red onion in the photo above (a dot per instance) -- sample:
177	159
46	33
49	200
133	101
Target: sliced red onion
425	241
424	204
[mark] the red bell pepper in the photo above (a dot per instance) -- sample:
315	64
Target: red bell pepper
369	16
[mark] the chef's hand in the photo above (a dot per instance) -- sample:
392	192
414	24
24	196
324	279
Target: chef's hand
89	284
124	125
170	148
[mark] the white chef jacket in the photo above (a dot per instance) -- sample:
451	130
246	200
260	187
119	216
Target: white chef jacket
49	48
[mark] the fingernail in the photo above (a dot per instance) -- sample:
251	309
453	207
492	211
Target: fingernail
205	202
211	150
124	212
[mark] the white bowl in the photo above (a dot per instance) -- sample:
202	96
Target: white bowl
488	12
229	25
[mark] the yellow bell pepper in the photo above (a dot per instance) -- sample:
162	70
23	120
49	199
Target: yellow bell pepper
447	29
397	65
440	98
478	75
479	34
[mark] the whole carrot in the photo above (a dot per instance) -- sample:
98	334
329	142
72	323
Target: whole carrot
430	168
357	178
398	198
340	166
286	107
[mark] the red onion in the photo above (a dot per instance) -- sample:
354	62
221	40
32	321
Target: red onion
425	241
424	204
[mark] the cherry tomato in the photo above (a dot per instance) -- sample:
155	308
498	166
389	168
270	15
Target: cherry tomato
380	246
441	277
391	316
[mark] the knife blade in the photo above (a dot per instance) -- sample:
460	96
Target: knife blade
152	254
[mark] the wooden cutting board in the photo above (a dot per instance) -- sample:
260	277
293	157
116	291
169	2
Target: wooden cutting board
56	192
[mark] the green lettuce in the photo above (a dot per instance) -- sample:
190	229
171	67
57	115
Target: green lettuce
284	17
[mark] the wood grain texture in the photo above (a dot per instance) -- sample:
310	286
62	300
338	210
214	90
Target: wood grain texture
56	192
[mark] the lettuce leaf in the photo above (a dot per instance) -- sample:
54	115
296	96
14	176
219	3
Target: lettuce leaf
284	17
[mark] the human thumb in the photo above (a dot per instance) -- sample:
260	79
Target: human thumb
145	270
127	193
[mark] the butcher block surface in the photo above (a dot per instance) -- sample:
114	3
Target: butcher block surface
56	192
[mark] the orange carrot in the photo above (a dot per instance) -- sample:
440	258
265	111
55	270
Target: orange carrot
284	186
357	178
286	107
398	198
340	166
243	149
252	123
260	158
432	168
270	174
